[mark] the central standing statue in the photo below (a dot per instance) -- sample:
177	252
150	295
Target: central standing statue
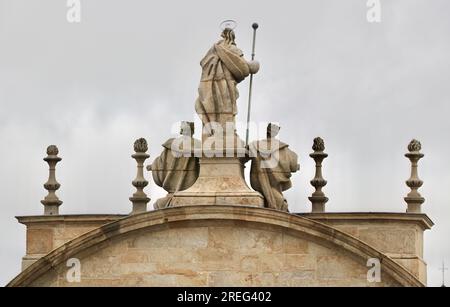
223	67
221	177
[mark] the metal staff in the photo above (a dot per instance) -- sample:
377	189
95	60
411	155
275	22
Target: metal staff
254	26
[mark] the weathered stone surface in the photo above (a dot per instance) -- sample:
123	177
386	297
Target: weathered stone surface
397	234
39	241
391	239
45	233
293	246
196	256
415	265
185	237
220	182
255	239
225	246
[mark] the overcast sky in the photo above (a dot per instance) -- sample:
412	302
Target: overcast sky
131	69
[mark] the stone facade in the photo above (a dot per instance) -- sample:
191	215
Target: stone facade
398	235
227	246
47	232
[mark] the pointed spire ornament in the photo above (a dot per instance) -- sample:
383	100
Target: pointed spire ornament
414	199
318	198
139	198
51	202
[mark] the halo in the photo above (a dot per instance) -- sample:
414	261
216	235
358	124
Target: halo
228	24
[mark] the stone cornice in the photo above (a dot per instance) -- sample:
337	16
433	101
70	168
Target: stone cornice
72	219
420	218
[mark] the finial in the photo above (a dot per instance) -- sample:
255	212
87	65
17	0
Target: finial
318	198
52	150
140	145
139	198
255	26
414	199
51	202
318	144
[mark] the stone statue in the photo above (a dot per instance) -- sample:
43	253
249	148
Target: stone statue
272	165
223	67
176	169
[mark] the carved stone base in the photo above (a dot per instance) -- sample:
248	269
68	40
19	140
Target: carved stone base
318	203
414	204
51	208
139	204
220	182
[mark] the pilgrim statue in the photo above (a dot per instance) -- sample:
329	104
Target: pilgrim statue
272	165
223	67
177	168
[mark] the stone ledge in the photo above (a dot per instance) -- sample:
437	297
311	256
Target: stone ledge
420	218
69	219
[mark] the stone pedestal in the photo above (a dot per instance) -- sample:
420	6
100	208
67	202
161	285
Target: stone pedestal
220	182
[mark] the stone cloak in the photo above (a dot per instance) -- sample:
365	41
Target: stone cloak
222	68
272	181
176	169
